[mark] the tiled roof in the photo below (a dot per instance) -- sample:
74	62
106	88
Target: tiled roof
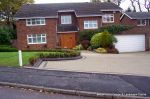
138	15
50	10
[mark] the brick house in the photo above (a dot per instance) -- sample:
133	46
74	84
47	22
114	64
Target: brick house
56	25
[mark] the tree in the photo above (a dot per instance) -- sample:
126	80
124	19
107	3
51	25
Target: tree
118	2
129	10
147	5
139	5
10	7
133	5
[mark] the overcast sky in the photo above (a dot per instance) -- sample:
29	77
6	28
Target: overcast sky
124	5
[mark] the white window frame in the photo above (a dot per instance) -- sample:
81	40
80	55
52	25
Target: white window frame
141	22
35	21
66	19
30	36
107	18
90	24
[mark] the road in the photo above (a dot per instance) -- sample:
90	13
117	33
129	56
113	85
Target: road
16	93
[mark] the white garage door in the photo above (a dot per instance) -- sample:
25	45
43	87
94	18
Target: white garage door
130	43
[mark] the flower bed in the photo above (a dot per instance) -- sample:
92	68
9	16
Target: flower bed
55	55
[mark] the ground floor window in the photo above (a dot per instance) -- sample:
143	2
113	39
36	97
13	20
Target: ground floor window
36	38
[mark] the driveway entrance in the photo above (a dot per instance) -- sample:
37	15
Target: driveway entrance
125	63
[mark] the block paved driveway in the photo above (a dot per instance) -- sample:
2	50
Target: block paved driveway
124	63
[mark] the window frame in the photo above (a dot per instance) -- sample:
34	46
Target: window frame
36	21
141	22
66	19
106	16
90	24
30	36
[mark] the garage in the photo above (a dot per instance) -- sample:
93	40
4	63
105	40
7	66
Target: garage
130	43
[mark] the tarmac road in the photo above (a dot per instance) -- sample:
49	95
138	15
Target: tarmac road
16	93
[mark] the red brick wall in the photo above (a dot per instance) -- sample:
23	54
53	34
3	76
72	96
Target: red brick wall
116	18
81	20
49	29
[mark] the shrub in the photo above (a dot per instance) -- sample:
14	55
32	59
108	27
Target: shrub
33	60
6	34
101	50
104	39
112	50
107	39
7	48
95	41
85	44
78	47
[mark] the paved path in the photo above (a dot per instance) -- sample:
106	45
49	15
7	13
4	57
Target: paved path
126	63
101	83
15	93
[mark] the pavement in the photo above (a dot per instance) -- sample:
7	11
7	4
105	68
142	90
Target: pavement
101	84
123	63
17	93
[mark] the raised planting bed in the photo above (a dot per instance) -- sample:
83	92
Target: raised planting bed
55	55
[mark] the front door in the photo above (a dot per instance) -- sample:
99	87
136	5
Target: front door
67	40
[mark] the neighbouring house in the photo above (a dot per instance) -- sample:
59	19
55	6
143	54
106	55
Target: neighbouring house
56	25
137	38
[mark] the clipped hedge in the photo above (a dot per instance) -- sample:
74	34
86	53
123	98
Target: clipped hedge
114	29
7	48
103	39
54	53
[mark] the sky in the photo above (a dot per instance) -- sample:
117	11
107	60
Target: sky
124	5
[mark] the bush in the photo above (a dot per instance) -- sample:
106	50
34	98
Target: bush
114	29
6	34
78	47
85	44
7	48
95	41
112	50
107	39
104	39
33	60
101	50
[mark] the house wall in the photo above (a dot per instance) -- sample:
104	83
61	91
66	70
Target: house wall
117	15
81	20
49	29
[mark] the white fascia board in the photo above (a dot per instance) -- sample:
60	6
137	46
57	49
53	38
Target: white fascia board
89	15
126	15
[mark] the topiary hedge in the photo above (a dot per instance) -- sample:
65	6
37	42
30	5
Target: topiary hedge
55	53
103	39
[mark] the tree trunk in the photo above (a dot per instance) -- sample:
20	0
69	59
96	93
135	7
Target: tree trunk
138	2
132	3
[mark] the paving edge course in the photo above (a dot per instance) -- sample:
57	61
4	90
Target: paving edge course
72	92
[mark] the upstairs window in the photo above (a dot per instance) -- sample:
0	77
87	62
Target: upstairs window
90	24
108	18
141	22
36	38
35	21
66	19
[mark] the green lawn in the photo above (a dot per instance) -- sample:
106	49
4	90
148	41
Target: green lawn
11	58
